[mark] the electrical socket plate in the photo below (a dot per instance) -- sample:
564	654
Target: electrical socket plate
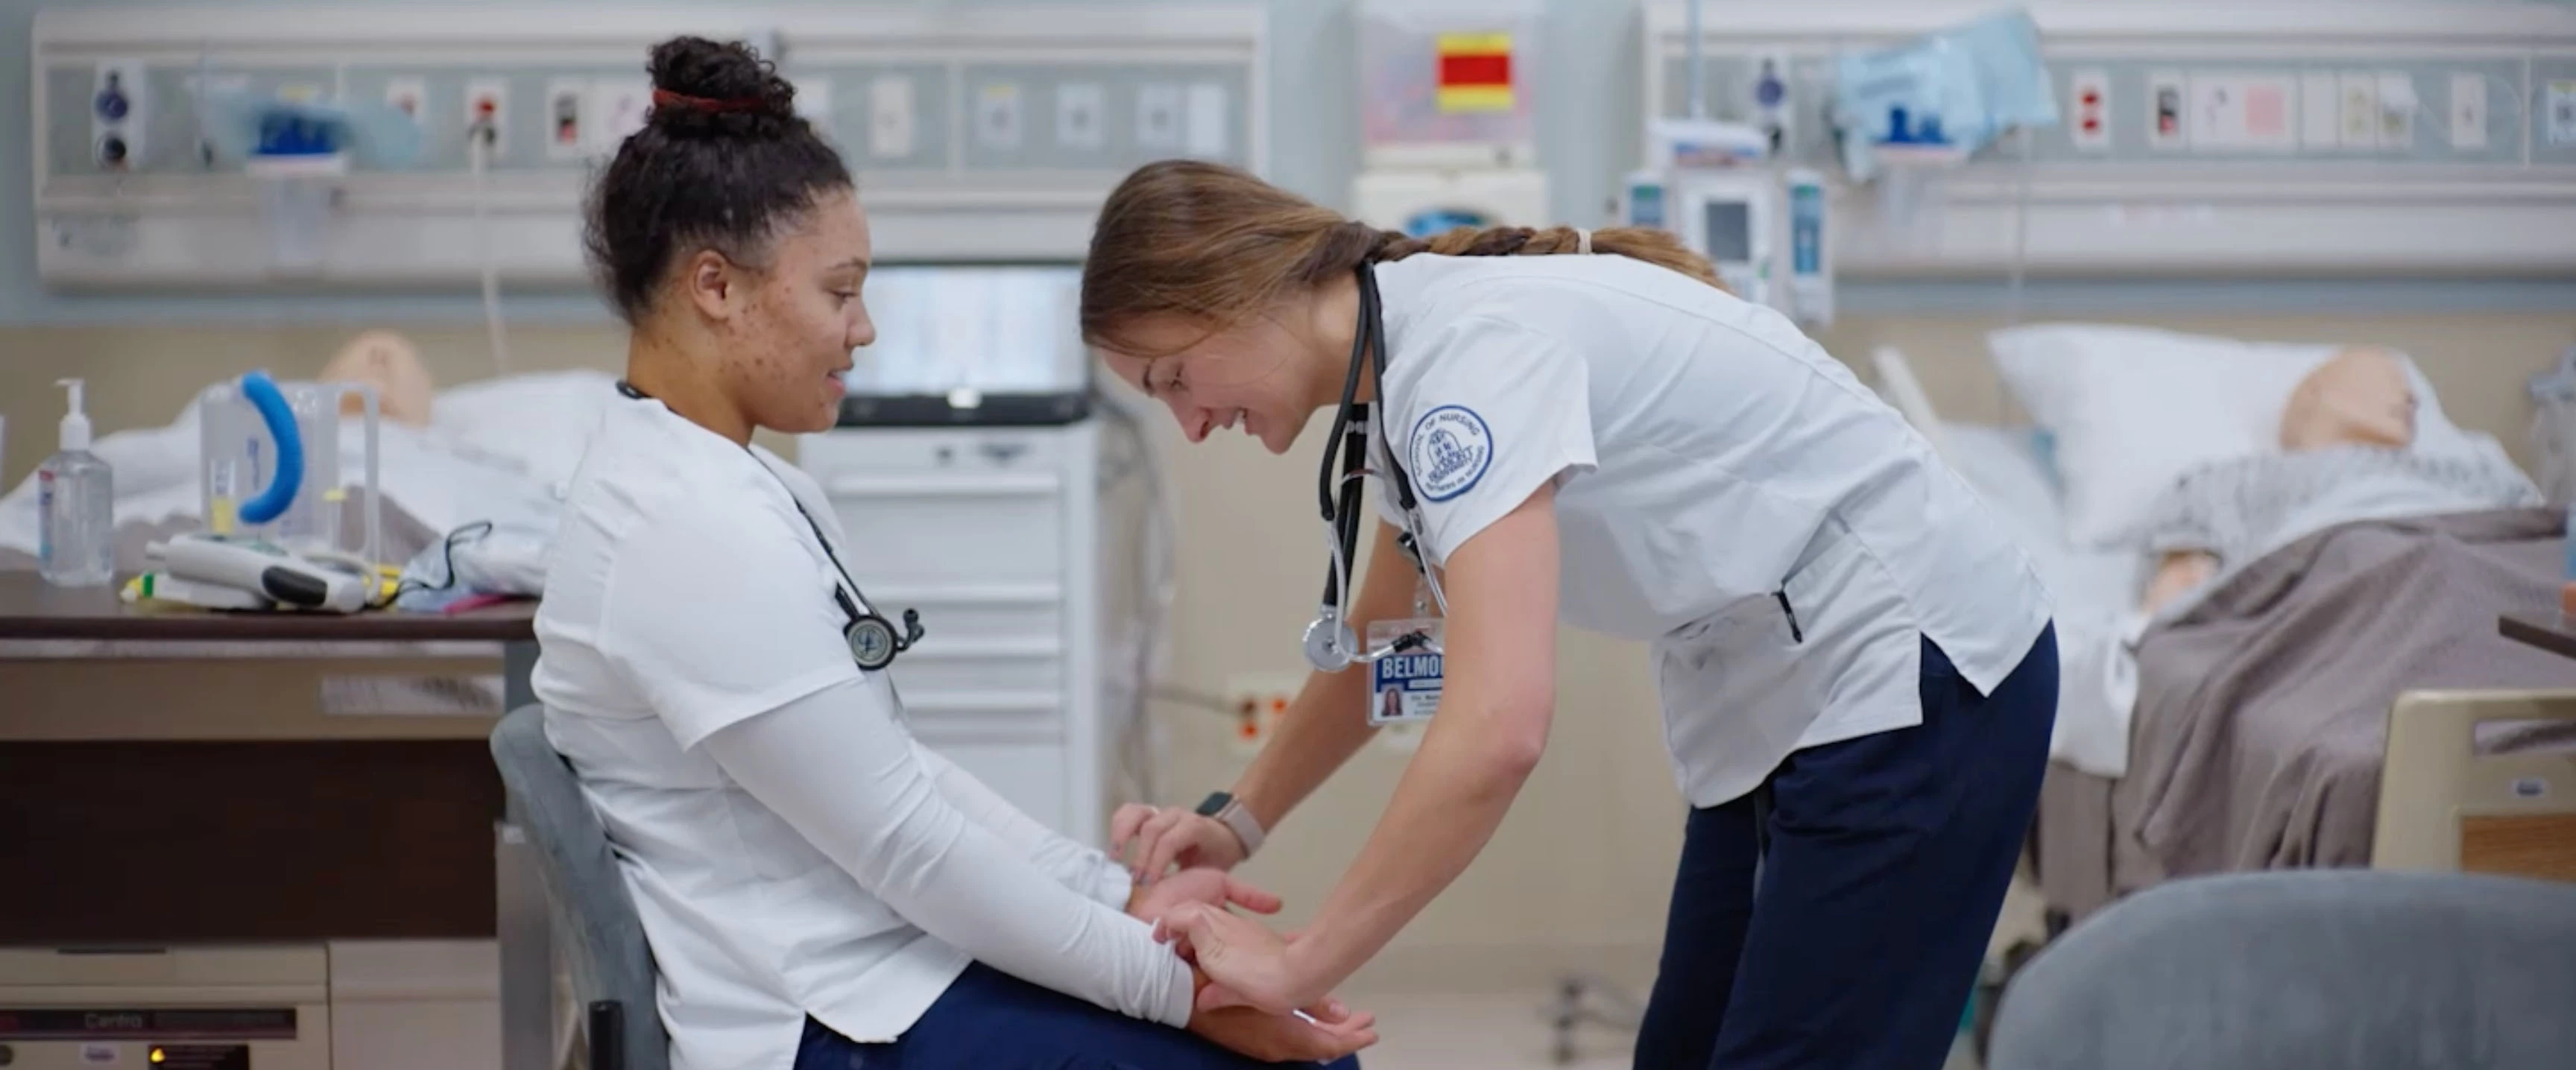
409	96
117	108
2469	111
1253	703
2090	107
496	92
890	117
568	117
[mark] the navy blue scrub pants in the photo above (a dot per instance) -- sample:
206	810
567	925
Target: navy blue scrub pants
1884	868
990	1020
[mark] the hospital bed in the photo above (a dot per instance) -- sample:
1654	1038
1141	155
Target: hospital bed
492	450
2245	728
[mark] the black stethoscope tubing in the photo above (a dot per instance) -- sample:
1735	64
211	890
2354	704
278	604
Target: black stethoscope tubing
1341	505
872	639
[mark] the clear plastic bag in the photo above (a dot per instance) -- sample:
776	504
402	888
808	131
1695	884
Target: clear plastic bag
2553	430
2553	448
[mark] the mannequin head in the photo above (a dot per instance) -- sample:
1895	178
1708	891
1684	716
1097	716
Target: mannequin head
391	364
2359	397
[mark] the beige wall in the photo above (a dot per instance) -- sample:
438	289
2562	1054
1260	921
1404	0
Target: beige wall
1577	877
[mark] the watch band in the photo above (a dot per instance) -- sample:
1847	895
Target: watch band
1229	811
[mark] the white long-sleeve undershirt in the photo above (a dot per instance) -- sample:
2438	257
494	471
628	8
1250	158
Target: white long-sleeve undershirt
836	767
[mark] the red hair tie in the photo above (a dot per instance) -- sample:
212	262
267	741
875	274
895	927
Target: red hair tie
664	98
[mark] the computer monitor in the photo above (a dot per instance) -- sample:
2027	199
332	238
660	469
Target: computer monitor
970	344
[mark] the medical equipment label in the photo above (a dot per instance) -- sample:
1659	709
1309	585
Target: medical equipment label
202	1057
1405	684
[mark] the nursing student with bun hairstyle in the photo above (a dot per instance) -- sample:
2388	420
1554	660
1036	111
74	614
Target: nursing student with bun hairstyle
1857	667
818	889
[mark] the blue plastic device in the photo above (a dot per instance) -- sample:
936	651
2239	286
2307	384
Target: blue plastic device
263	394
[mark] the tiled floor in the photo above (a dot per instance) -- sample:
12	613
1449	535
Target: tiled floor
1431	1031
1425	1030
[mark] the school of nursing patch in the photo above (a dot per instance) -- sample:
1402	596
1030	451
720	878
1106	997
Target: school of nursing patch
1451	448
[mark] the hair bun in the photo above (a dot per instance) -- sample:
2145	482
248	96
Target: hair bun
750	99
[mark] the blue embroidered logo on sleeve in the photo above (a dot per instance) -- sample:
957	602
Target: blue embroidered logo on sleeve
1451	447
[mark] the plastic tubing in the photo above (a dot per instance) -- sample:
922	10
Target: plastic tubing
264	395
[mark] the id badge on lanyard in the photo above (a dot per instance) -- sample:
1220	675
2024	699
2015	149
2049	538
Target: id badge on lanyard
1404	686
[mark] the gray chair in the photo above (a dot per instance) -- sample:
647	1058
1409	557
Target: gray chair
594	921
2347	969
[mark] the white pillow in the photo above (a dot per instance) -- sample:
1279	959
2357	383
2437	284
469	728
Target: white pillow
2133	408
542	420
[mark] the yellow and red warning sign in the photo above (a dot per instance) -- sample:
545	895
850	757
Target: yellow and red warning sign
1475	72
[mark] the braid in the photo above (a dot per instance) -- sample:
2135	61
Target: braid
1215	245
1636	243
1387	245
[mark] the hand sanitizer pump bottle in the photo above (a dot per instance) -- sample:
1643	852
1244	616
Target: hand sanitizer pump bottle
75	506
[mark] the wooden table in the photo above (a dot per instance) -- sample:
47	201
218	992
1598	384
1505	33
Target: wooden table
2554	633
244	832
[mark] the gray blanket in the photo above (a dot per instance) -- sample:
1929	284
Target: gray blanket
2262	713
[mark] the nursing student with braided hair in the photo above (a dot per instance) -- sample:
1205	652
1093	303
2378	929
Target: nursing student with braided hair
1858	668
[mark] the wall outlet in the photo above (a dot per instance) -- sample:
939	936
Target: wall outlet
117	107
2397	107
568	117
1253	703
997	116
487	103
2168	110
2469	111
2090	107
2360	109
409	96
1079	120
890	117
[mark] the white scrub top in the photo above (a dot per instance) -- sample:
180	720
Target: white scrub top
686	599
1724	489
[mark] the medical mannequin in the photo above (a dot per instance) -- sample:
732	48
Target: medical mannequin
391	364
2359	397
1856	664
819	889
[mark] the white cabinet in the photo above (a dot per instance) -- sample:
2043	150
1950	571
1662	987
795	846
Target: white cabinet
992	533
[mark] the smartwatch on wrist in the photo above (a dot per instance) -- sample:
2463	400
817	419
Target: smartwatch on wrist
1229	811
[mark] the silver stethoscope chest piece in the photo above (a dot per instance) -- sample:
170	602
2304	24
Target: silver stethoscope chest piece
1329	642
872	642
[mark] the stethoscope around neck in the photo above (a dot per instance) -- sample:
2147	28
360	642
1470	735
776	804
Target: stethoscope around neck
1331	644
872	639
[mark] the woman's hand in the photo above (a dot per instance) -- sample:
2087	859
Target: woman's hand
1213	887
1246	964
1279	1038
1150	839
